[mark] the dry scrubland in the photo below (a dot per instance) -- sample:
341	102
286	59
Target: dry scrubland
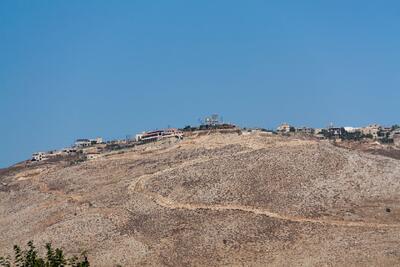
212	200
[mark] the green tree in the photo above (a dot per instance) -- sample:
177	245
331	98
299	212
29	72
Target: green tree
54	258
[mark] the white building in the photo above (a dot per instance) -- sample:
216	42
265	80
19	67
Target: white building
93	155
39	156
82	143
318	131
138	137
350	129
284	128
98	140
88	142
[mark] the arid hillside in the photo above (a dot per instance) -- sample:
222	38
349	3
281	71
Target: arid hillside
211	200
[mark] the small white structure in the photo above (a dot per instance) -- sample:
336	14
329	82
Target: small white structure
98	140
82	143
350	129
138	137
256	131
88	142
250	131
284	128
91	156
39	156
318	131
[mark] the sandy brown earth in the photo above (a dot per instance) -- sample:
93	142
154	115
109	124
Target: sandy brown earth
213	200
372	147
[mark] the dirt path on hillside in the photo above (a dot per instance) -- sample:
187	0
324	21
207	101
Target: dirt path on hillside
139	186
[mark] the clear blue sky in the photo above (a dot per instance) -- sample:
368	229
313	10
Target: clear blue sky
71	69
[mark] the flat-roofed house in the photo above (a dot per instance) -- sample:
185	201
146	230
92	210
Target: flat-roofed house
305	130
39	156
82	143
372	130
88	142
336	132
151	136
138	137
284	128
96	141
350	129
159	134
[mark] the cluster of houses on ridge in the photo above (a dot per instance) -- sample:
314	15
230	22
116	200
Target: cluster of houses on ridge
78	146
373	131
91	148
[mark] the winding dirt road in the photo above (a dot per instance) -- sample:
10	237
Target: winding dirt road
138	186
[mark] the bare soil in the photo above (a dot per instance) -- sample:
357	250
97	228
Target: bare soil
212	200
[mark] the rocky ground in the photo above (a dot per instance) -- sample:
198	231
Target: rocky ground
211	200
372	147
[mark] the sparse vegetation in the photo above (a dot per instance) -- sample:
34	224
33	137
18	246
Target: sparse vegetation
81	158
356	136
273	199
31	258
386	140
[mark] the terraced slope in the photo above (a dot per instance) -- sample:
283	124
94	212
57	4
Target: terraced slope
212	200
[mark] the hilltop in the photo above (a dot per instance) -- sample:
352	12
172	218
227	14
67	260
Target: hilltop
211	200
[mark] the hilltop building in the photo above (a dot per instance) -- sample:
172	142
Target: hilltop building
385	133
372	130
305	130
212	120
88	142
285	128
352	129
39	156
336	132
82	143
158	135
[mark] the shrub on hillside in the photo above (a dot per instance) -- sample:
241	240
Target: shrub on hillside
53	258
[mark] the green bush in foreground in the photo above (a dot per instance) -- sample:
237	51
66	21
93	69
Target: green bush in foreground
54	258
